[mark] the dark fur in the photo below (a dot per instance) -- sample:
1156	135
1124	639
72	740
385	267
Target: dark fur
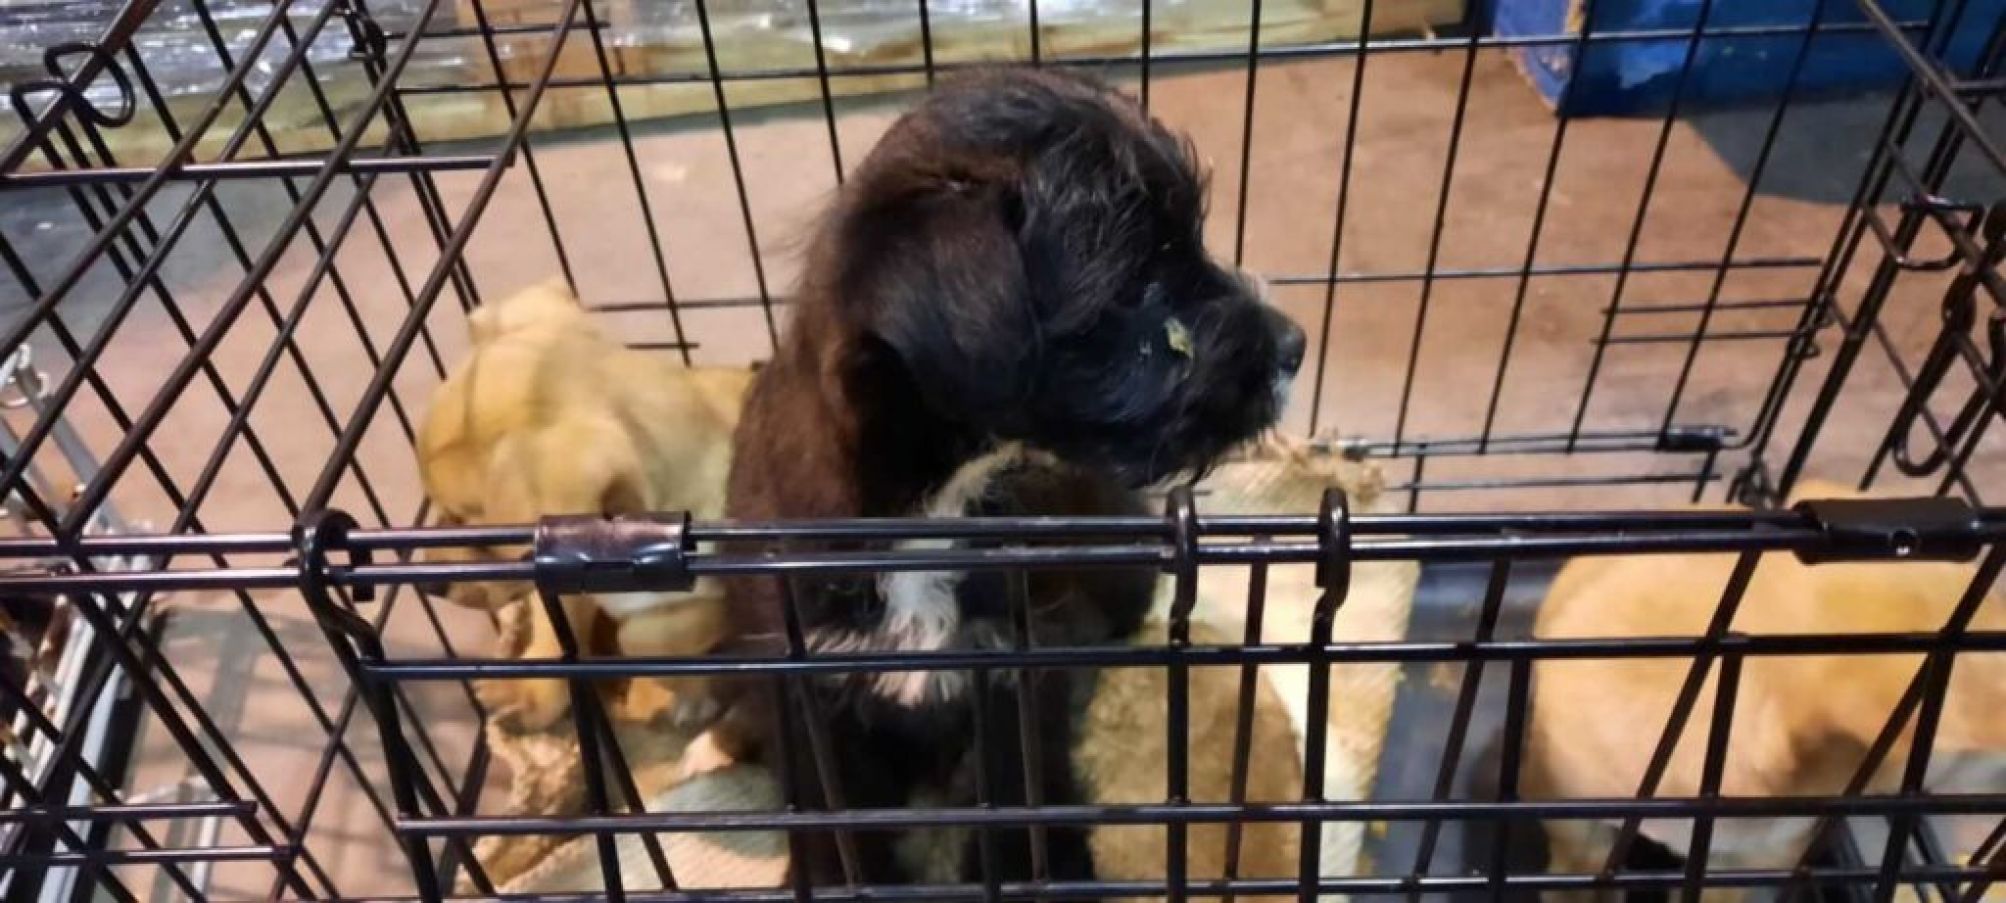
1005	265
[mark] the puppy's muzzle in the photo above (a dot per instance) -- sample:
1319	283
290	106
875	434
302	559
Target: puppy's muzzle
1290	342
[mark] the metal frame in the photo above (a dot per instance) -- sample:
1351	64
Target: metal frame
138	215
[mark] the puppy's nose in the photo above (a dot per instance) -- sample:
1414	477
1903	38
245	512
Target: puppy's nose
1290	342
435	590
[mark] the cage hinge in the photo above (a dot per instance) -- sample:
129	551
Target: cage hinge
1912	529
592	554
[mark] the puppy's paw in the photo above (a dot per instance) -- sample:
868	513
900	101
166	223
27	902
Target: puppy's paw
685	704
703	756
524	706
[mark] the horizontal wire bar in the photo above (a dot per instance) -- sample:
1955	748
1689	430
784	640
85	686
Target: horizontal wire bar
1641	479
1932	80
896	528
244	169
1200	813
1648	538
1174	57
1351	278
1203	887
1704	437
149	857
1753	335
1701	307
128	812
1777	645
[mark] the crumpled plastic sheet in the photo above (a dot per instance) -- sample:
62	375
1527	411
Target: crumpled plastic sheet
180	54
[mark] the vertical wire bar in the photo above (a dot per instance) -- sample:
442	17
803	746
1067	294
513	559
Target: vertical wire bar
1706	474
431	204
198	357
655	248
822	80
398	138
1637	223
1711	770
926	43
737	171
507	94
1459	724
623	772
599	745
820	749
1954	627
1516	705
1741	214
142	667
137	282
1935	686
586	718
143	679
1991	852
799	881
94	684
1182	516
338	747
1435	236
428	293
1988	406
1682	707
1247	131
1338	217
985	796
1839	264
213	467
1243	713
1029	732
331	122
19	784
1563	116
1148	38
24	788
1037	36
1334	576
354	643
229	231
102	239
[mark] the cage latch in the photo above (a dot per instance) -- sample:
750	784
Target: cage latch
1914	529
633	553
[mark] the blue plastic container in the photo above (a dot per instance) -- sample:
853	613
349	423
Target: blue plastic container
1638	76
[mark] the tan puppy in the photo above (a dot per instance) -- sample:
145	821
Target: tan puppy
1801	724
548	416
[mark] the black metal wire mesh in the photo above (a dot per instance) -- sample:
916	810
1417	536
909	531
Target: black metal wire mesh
193	414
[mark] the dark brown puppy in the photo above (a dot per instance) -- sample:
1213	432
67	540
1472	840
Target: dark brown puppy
1010	310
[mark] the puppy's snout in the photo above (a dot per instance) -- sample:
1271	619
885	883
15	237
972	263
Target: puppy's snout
435	590
1290	342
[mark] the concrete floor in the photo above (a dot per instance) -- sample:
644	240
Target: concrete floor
1377	333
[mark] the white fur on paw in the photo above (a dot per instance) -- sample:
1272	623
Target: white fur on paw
702	757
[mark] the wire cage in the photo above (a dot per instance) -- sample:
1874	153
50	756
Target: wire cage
240	241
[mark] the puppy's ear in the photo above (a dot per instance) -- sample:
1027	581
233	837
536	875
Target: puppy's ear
934	271
623	495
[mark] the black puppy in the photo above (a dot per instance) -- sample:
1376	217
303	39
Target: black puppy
1009	310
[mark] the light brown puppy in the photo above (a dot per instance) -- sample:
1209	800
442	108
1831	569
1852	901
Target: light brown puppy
1801	724
549	416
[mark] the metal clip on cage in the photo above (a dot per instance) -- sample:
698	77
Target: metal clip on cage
630	553
1919	529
